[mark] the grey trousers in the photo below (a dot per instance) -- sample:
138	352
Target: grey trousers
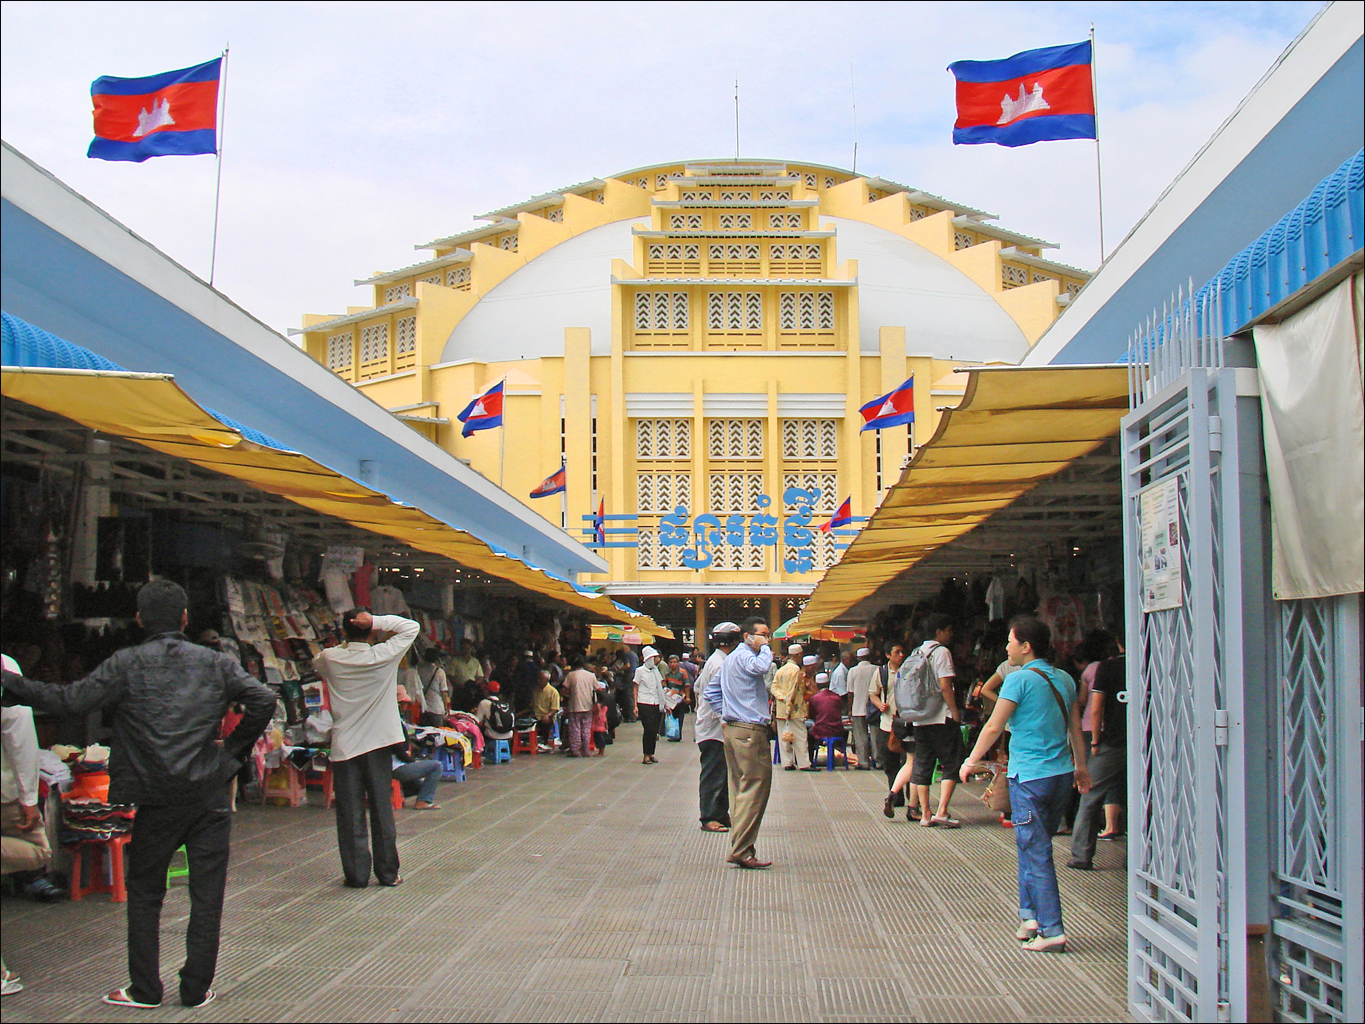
714	789
368	775
749	760
862	741
1108	785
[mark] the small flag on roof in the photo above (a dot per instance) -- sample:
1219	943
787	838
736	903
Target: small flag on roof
599	523
841	518
484	412
555	483
893	409
171	114
1034	96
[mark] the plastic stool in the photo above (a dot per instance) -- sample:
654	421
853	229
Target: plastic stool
113	853
294	790
522	745
502	751
830	743
452	763
178	872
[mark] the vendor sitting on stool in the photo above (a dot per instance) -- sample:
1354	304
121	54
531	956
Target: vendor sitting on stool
413	774
827	712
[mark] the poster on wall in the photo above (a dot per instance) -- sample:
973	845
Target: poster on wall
1159	525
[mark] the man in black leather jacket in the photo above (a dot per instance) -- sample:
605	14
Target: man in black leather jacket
168	696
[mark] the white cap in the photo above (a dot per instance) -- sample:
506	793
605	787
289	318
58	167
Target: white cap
795	649
11	665
822	677
810	659
649	652
863	652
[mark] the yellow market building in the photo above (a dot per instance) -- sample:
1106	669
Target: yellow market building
694	341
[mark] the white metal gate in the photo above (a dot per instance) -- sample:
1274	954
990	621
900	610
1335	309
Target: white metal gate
1316	940
1186	844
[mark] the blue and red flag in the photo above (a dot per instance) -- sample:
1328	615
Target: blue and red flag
842	517
484	412
555	483
173	114
599	523
893	409
1034	96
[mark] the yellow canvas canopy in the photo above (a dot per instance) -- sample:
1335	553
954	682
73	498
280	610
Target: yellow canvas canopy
1016	427
152	410
623	634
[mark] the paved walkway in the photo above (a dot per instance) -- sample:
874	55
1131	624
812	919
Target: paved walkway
554	889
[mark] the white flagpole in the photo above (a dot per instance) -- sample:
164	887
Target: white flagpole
502	431
218	185
1099	176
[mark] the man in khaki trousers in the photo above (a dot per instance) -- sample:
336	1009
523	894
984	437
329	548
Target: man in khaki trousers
739	693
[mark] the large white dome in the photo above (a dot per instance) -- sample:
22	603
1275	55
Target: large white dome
900	284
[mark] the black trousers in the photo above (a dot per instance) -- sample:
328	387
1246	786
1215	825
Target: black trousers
890	762
651	717
714	790
203	827
353	780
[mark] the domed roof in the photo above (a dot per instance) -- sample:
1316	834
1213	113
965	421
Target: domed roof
900	284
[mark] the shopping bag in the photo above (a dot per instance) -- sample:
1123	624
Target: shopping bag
672	728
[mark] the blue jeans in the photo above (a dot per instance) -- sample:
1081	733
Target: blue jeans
1036	810
425	773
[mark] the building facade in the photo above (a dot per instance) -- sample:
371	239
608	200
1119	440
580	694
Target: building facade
694	341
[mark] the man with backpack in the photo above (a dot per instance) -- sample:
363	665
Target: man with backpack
927	700
495	714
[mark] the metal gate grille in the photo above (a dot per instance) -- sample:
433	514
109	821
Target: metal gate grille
1318	863
1178	768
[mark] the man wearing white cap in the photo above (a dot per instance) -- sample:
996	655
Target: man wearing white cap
789	709
860	678
713	791
649	698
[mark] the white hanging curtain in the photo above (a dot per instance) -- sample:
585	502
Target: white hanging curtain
1313	416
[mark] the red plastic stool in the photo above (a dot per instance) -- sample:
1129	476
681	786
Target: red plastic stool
522	745
113	855
329	796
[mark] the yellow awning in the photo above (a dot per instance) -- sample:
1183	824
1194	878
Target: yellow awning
152	410
1015	428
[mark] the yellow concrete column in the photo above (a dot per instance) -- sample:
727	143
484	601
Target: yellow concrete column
699	601
895	440
774	613
578	426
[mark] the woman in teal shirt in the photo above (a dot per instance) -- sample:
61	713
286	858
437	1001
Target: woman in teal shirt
1047	757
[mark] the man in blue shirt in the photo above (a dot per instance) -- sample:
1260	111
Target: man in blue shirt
739	692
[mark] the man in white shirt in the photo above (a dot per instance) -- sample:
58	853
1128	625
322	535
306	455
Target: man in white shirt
362	684
860	678
709	730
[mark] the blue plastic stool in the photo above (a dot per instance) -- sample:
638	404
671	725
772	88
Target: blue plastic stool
452	763
502	751
830	743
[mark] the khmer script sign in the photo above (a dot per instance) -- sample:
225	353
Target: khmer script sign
707	531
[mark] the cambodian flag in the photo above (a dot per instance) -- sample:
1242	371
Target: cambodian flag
599	523
891	410
842	517
174	114
1034	96
555	483
485	412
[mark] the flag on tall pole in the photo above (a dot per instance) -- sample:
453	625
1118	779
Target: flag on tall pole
171	114
843	516
1034	96
484	412
555	483
893	409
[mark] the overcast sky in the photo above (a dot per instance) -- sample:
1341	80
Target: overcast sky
355	131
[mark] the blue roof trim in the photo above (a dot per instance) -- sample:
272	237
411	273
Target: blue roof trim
1310	240
22	344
